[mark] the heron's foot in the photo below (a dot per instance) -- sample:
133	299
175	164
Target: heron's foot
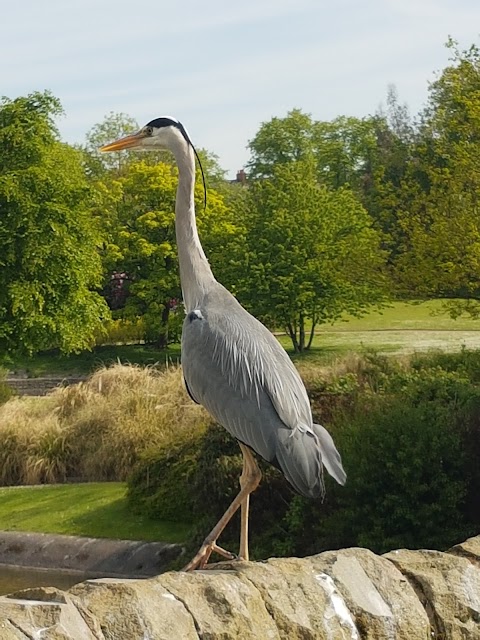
201	559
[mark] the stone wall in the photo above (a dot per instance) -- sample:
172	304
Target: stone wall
24	386
337	595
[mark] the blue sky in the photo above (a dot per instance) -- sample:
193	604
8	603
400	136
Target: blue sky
224	67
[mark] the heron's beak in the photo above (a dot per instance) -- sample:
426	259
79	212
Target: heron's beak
128	142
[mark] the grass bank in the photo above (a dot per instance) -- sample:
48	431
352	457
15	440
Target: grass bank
405	316
97	510
401	328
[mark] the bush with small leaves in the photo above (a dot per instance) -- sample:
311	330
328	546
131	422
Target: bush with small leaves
6	391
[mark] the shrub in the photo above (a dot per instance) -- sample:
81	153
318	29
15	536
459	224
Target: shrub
406	482
123	411
161	483
6	391
11	450
412	463
33	457
121	332
48	456
409	440
465	362
136	330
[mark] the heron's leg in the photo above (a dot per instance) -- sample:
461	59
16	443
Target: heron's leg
250	468
249	482
243	554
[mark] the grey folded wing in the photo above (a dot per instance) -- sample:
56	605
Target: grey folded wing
236	369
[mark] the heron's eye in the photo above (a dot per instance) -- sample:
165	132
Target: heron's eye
148	131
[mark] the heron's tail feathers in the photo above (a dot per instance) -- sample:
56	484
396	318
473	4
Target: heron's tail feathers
330	457
301	456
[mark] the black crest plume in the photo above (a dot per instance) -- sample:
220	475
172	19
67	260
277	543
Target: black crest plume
171	122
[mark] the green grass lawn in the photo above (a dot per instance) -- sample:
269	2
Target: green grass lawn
402	327
405	316
98	510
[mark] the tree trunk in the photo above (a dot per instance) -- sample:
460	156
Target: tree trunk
301	331
291	330
162	340
312	333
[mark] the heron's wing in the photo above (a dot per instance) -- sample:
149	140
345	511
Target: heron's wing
236	369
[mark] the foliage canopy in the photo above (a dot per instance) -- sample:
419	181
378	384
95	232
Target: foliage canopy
308	253
49	263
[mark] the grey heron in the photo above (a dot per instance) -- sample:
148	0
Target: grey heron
232	364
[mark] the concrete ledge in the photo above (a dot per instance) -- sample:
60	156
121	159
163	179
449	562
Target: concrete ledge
95	556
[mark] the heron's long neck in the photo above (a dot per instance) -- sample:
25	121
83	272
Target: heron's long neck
195	274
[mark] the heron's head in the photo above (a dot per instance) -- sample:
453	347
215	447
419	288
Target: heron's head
161	133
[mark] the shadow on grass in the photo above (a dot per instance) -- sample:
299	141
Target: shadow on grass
116	520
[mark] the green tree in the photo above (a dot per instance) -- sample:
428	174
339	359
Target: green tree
308	254
113	126
440	219
138	212
342	150
339	148
369	155
49	262
281	141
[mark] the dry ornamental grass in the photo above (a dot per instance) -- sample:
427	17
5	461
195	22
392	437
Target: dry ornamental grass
95	430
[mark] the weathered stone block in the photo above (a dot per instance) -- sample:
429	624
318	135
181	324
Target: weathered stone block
45	613
449	588
382	602
469	549
135	610
302	605
223	606
9	632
